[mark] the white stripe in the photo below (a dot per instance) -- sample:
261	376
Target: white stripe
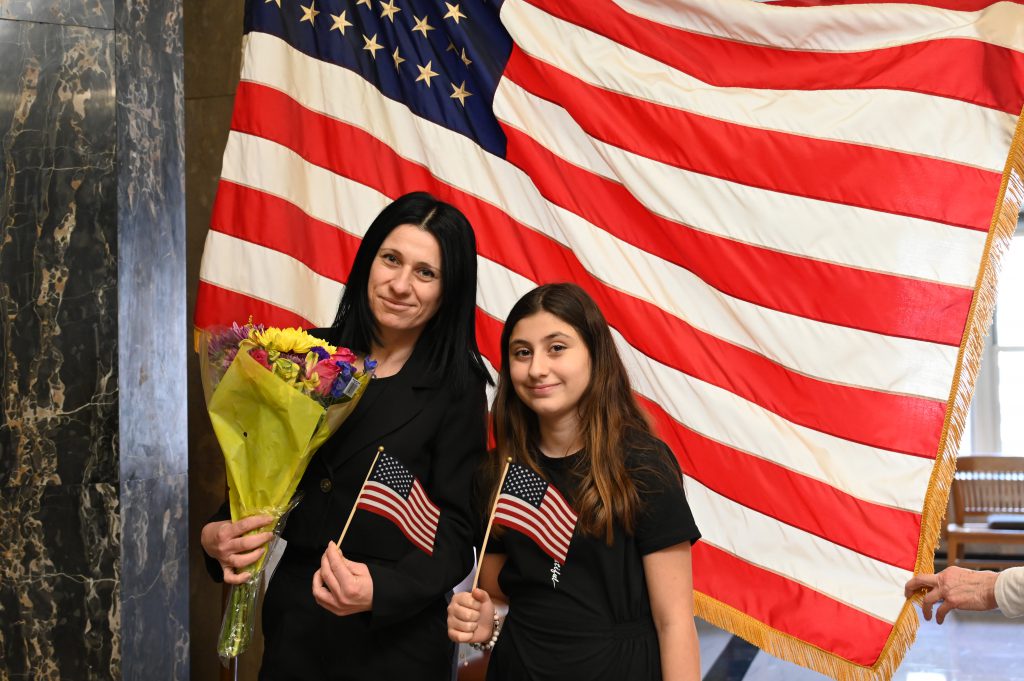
559	533
558	505
826	351
419	499
252	162
844	235
707	409
851	28
532	522
241	266
792	224
558	529
957	131
387	500
867	584
392	514
528	529
417	506
380	494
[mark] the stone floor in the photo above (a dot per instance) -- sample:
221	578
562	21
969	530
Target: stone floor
967	647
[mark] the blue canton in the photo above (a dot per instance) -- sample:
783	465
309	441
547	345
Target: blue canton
397	45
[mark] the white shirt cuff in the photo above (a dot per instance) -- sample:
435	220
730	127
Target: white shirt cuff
1010	592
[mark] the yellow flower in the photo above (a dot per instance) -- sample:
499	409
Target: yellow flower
288	340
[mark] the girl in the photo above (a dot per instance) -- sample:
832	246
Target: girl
621	606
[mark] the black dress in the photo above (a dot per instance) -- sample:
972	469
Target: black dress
439	434
590	619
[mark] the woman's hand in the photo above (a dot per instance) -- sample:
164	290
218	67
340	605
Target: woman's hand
342	586
471	617
229	544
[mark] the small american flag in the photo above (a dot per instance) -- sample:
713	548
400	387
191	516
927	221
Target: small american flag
530	505
395	493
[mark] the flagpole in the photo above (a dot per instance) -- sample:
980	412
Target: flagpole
355	504
490	522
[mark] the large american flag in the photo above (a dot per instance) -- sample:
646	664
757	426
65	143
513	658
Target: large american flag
392	491
791	216
530	505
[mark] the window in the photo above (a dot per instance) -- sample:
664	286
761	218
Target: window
996	424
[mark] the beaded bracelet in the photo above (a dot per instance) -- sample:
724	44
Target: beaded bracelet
495	630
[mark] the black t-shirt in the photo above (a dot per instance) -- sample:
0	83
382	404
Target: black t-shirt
590	618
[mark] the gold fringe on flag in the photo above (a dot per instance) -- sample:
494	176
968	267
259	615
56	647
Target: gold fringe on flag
782	645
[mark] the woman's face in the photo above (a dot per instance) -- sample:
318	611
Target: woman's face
405	281
549	365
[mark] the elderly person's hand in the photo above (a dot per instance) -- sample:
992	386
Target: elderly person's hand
955	588
230	544
342	586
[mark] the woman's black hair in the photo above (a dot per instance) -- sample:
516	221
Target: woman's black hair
450	336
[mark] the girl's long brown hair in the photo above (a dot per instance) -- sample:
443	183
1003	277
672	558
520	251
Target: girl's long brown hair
609	414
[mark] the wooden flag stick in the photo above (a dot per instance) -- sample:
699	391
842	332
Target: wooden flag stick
490	522
355	504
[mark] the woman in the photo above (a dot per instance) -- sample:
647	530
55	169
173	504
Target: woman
621	605
376	608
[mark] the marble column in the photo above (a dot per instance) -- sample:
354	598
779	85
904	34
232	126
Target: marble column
93	458
152	338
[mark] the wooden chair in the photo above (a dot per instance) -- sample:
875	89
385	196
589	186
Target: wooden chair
988	508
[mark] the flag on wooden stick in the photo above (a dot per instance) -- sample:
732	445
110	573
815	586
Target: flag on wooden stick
393	492
529	504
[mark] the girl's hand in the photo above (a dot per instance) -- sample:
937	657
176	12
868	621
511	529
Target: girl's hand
471	617
342	586
229	544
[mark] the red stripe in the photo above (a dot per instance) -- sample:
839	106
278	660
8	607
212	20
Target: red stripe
419	496
528	532
558	529
556	505
809	288
216	306
947	67
397	522
376	504
886	534
857	175
901	423
424	527
526	525
395	514
788	606
255	216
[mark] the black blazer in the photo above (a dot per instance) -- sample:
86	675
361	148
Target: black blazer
440	436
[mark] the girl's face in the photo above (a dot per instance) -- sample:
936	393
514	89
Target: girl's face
549	365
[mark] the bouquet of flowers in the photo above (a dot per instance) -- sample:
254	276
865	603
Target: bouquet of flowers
274	396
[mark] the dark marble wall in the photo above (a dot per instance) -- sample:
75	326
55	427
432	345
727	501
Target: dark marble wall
213	42
59	477
93	451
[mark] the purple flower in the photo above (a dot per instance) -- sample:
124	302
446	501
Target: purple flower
321	353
